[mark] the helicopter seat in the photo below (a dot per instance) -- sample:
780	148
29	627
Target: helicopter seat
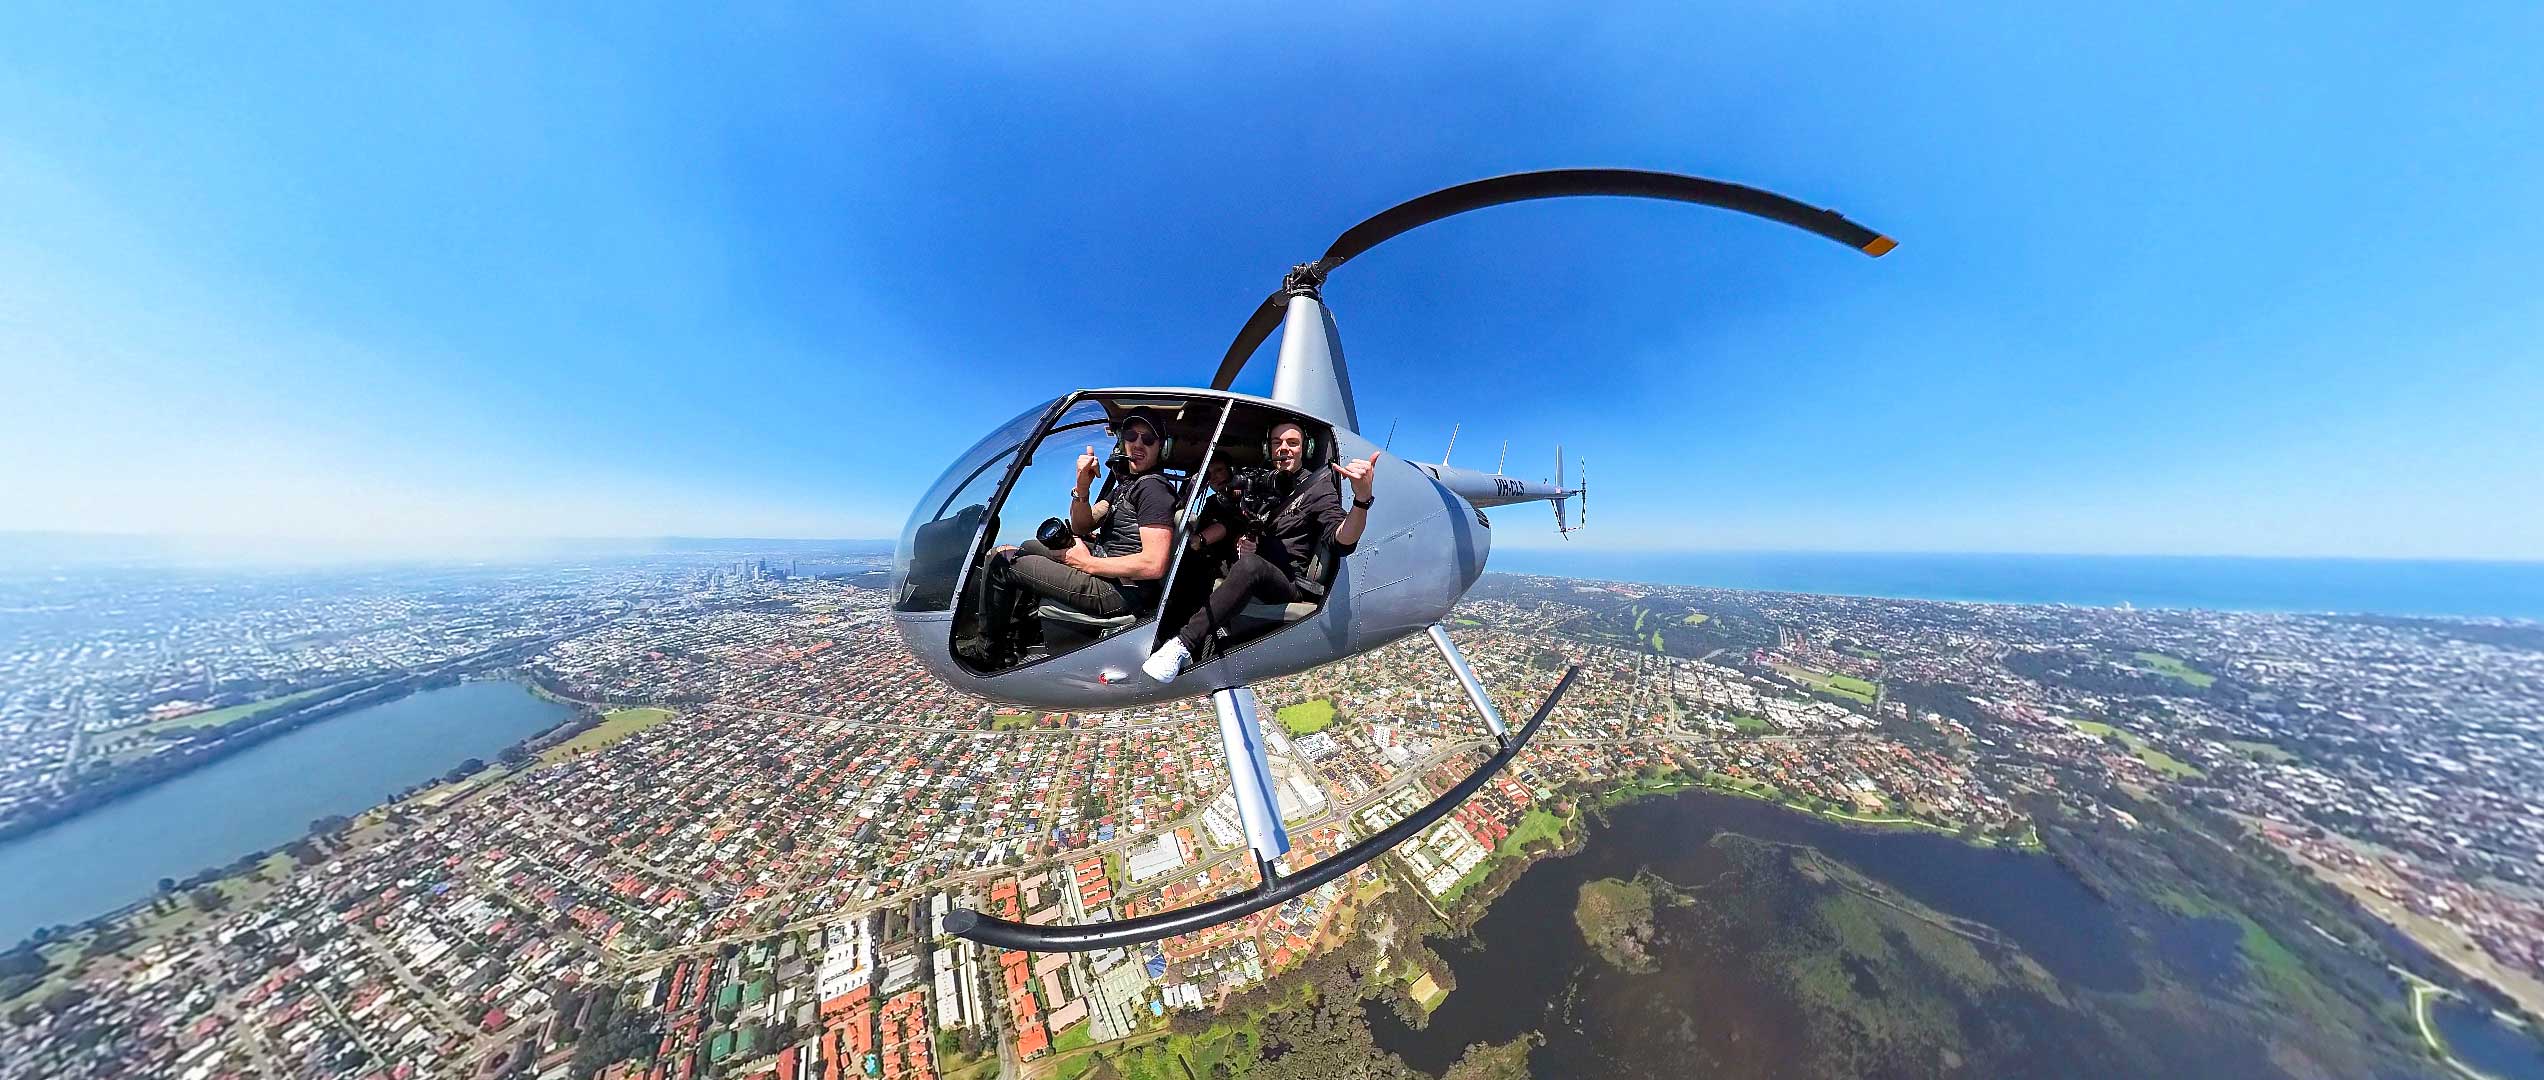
1278	613
1066	629
1255	620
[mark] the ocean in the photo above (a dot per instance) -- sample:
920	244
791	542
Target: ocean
2373	586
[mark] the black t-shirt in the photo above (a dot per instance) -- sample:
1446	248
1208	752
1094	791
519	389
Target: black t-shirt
1147	502
1311	508
1219	508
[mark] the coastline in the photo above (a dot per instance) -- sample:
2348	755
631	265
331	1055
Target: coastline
2397	588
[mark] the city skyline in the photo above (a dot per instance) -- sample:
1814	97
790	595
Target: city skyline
2158	293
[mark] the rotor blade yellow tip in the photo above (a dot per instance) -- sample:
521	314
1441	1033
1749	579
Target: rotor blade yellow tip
1880	246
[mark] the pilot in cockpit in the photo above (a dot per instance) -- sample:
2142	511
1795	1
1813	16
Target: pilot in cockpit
1128	541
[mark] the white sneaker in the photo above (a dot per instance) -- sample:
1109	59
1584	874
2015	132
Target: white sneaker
1166	663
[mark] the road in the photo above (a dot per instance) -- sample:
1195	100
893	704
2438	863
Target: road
930	729
2421	991
1411	773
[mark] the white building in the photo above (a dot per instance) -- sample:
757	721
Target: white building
1158	856
847	958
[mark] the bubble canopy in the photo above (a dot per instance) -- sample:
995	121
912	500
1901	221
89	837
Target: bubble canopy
927	563
942	536
974	614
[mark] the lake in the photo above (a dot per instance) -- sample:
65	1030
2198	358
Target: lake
1792	946
257	799
2484	1041
2377	586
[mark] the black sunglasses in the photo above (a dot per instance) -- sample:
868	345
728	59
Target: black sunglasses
1140	435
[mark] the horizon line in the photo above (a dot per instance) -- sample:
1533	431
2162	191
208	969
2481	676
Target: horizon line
410	550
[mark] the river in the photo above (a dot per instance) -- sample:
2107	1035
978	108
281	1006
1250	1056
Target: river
256	799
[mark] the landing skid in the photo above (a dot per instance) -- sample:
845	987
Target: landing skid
1236	712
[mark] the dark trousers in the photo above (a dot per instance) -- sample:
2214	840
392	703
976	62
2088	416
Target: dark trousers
1033	570
1251	579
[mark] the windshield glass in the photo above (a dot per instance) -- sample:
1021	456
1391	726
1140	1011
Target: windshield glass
1049	469
927	564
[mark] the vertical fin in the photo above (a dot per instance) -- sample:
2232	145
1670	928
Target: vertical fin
1561	528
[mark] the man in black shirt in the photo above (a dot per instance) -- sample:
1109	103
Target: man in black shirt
1210	543
1128	539
1308	509
1214	537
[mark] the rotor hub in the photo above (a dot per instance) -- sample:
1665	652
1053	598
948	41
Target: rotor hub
1305	279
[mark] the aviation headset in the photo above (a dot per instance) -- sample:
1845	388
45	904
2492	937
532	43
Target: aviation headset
1311	448
1117	465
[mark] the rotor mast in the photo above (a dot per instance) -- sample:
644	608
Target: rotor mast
1311	374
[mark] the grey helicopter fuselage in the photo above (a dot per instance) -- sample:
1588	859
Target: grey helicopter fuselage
1422	547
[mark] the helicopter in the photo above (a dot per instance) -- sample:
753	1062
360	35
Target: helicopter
1422	544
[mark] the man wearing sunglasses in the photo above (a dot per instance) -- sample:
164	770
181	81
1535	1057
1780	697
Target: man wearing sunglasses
1128	538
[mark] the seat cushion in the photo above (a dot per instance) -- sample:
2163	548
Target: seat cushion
1290	612
1059	612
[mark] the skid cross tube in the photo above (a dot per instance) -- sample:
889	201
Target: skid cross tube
1275	890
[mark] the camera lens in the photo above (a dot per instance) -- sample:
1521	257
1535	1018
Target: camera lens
1055	534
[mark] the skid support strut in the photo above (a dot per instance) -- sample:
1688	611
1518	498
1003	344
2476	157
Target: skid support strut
1474	688
1277	888
1250	774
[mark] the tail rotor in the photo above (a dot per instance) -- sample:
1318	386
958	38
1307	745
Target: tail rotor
1563	527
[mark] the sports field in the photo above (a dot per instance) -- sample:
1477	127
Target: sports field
2173	666
217	717
1307	717
2156	759
615	725
1845	685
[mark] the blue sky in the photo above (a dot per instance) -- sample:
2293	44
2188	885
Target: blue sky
2171	280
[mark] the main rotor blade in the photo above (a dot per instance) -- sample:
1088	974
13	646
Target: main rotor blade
1414	213
1250	337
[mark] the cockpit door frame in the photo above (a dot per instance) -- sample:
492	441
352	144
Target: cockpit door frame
1021	456
1189	523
